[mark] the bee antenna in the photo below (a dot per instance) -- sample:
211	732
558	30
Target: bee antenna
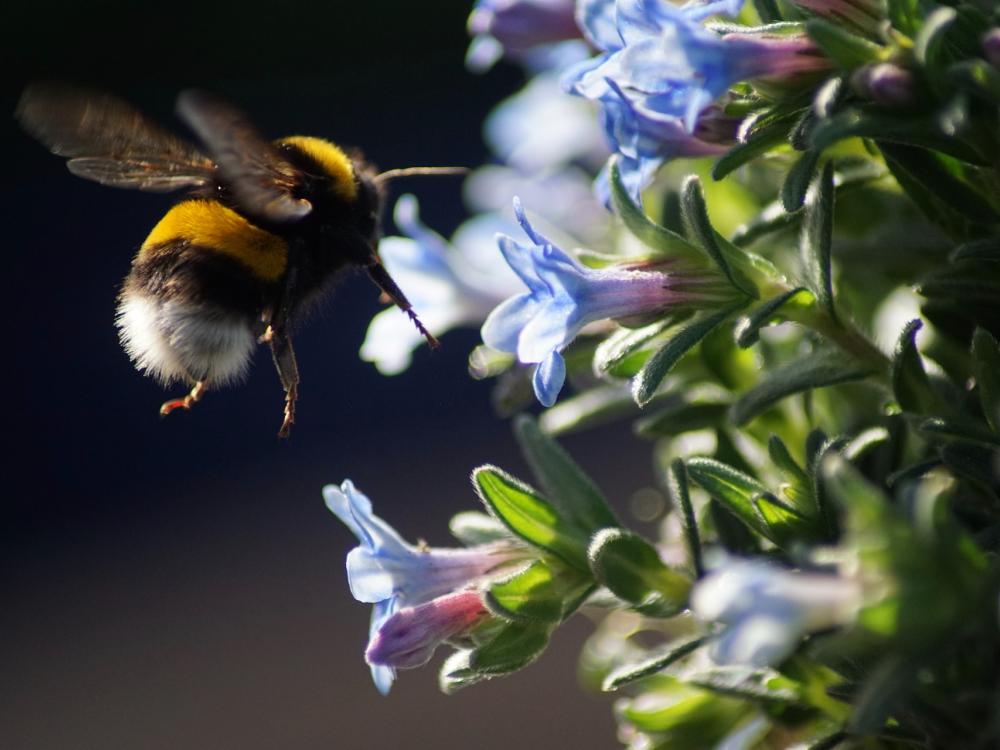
392	174
384	281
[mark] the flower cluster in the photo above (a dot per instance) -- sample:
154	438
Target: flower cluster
826	559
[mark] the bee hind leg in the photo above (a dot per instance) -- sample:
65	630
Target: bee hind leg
187	401
288	371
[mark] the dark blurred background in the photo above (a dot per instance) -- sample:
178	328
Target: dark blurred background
179	583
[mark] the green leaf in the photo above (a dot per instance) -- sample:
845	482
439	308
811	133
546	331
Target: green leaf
747	330
651	663
865	505
662	362
758	143
619	346
774	217
699	227
911	130
514	647
887	685
817	239
760	684
905	15
572	493
541	593
847	50
939	182
456	674
977	77
986	364
973	461
967	283
647	231
987	248
813	371
472	527
798	487
530	517
767	10
593	407
677	483
910	385
530	595
696	409
741	494
631	568
796	184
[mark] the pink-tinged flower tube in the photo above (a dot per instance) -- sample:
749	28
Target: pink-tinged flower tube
387	572
409	638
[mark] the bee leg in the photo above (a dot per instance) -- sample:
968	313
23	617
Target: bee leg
187	402
288	371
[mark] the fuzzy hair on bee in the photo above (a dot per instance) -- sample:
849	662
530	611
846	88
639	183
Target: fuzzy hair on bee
261	234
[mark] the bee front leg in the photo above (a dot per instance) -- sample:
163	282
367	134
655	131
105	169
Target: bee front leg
187	401
288	371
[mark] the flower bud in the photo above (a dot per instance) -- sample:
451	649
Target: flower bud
409	638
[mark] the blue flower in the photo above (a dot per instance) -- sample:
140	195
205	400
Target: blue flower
564	296
541	127
450	285
660	71
767	610
387	572
517	28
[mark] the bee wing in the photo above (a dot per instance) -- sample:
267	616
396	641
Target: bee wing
108	141
261	180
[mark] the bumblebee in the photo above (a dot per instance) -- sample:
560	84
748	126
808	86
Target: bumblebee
264	229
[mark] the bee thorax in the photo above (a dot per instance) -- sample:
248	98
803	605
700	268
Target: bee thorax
177	340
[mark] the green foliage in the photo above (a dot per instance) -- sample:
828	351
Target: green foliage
806	444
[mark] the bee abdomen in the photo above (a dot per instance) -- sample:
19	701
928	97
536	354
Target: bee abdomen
189	313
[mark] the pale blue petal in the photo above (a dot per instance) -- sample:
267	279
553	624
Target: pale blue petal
519	258
550	329
537	237
406	215
699	11
503	326
550	375
337	502
370	582
760	639
597	20
635	21
382	676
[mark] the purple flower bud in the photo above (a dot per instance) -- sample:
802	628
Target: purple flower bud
991	46
886	83
409	638
514	27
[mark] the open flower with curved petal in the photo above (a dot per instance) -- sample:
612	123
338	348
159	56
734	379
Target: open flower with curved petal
386	571
563	296
767	610
451	285
660	71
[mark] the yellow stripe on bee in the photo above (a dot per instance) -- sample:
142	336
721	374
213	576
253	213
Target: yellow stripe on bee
334	162
210	225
